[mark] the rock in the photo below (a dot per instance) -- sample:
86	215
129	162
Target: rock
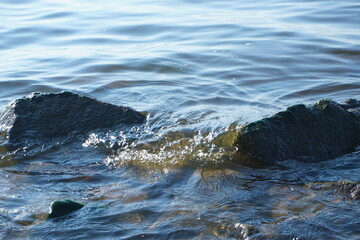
347	188
236	231
307	133
47	115
59	208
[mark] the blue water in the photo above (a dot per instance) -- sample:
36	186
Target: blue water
197	68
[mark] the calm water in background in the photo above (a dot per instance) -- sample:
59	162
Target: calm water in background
197	68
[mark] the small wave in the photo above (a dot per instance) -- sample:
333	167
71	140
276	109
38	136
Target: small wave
153	149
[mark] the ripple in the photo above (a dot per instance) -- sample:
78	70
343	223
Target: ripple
57	14
199	69
325	89
18	2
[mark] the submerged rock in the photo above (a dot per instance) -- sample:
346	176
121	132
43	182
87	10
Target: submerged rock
307	133
349	188
345	187
233	230
63	207
46	115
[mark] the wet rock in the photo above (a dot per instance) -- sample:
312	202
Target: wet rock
237	230
63	207
307	133
351	189
47	115
347	188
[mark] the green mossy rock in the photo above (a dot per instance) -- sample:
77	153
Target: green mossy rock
59	208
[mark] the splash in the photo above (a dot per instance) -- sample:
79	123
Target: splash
143	147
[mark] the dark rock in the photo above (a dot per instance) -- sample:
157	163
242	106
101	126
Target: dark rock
63	207
42	116
307	133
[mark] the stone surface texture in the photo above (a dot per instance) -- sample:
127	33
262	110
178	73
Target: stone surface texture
46	115
307	133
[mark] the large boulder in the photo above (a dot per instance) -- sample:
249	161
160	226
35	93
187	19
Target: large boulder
48	115
307	133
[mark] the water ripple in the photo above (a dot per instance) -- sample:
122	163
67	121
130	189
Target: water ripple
199	69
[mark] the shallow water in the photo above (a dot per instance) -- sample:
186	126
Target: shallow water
199	69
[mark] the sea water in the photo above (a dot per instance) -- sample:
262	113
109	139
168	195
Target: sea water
198	69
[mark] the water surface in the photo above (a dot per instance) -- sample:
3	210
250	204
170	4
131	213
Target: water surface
198	69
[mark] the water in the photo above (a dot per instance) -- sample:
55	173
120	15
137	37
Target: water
199	69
